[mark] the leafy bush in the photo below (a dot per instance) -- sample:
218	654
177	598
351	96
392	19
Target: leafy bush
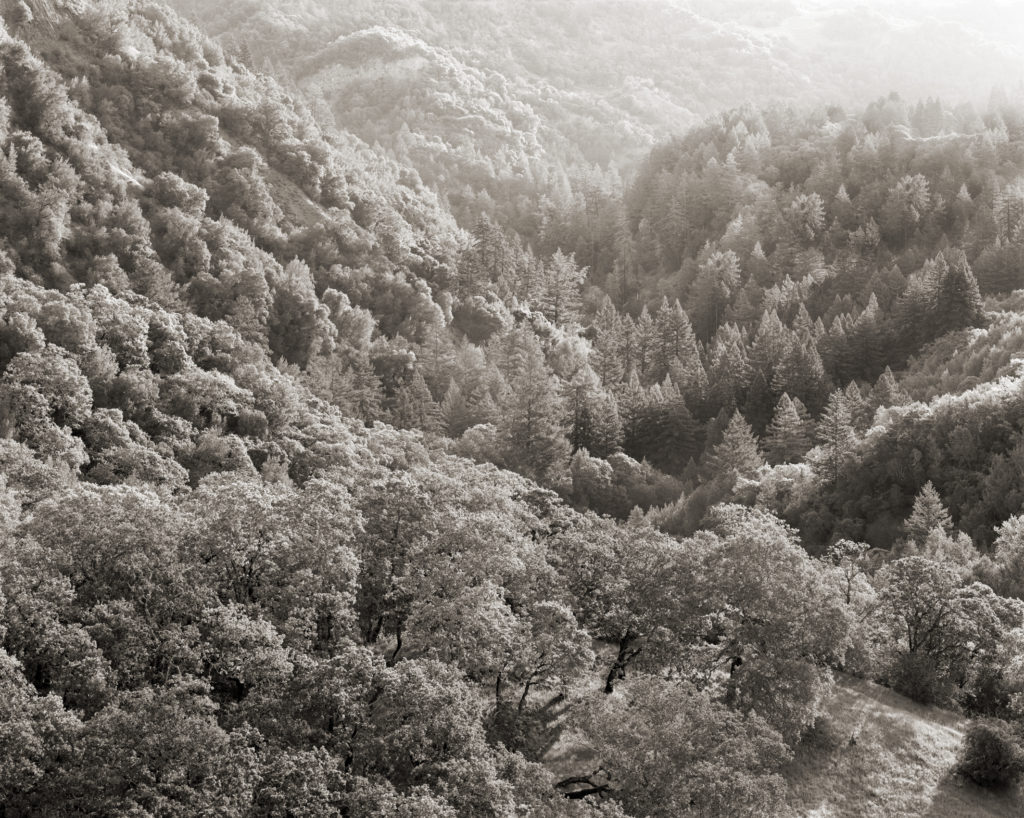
991	755
918	676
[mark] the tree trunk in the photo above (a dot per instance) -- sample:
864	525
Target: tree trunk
622	660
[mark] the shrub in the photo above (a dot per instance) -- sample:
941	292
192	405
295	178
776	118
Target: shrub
991	755
918	676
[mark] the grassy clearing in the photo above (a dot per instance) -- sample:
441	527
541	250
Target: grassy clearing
875	755
879	755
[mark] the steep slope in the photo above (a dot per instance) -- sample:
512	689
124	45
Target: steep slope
879	755
603	77
187	532
961	361
222	591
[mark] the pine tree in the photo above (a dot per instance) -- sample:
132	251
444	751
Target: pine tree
913	314
737	454
674	339
837	438
628	344
644	344
803	324
415	407
606	357
758	266
491	260
866	342
927	515
789	435
802	374
435	358
728	370
456	416
888	392
769	348
957	298
356	389
805	217
561	292
860	412
692	381
832	346
530	423
593	415
529	283
717	279
661	430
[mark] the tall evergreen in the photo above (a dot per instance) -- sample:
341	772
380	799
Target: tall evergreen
492	259
606	356
691	380
738	453
802	373
561	291
415	407
728	370
674	339
789	435
860	410
661	430
927	515
530	425
593	415
717	279
888	392
456	414
645	344
957	298
836	437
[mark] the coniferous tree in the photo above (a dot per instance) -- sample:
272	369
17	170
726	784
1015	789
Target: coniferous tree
359	391
435	358
803	324
661	429
927	515
674	339
789	436
913	315
530	424
645	344
627	350
957	299
888	392
563	283
728	371
415	407
866	342
489	261
860	410
738	453
691	380
593	414
456	414
759	266
802	374
836	437
606	357
716	281
770	347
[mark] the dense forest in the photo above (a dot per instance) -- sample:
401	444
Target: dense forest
344	471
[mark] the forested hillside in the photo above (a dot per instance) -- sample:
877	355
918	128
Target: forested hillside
520	108
316	503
